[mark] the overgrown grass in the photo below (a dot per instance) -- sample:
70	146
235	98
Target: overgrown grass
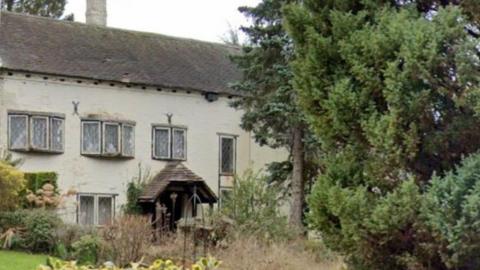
10	260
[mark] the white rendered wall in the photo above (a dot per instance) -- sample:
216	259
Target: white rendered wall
203	119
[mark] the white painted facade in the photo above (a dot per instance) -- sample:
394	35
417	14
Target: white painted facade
204	121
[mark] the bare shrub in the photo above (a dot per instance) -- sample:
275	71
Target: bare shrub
254	254
128	238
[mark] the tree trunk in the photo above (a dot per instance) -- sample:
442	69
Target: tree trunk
298	183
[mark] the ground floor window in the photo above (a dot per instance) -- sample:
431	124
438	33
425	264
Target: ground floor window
95	209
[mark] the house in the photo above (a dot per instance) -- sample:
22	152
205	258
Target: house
92	103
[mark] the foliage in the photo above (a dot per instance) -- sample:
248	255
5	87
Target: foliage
452	211
128	237
36	180
35	229
134	190
66	235
269	101
254	206
11	184
385	89
208	263
44	8
87	249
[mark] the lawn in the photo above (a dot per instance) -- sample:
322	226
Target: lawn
10	260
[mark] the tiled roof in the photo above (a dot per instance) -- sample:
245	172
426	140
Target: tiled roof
49	46
175	173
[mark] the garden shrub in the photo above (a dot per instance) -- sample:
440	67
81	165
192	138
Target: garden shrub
87	249
452	212
35	228
254	206
66	235
36	180
134	190
128	238
12	182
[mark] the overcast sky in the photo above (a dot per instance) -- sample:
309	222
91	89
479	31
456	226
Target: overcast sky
199	19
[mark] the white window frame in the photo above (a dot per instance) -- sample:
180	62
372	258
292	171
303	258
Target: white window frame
63	134
47	133
172	134
154	145
83	151
96	207
234	157
133	135
27	136
119	134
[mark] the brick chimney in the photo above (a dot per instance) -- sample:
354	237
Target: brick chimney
96	12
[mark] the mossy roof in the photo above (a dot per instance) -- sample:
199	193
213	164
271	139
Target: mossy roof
49	46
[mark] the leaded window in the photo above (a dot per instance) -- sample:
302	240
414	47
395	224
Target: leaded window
110	139
95	209
128	141
169	143
178	144
227	155
36	132
39	132
91	132
162	143
18	132
57	134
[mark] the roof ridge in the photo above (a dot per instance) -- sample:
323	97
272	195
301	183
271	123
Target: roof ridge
147	33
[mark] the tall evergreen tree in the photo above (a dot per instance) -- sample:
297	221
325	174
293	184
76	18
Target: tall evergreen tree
385	85
269	101
44	8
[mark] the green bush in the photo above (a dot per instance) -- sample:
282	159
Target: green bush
452	212
36	180
65	236
134	190
87	249
254	207
12	182
36	228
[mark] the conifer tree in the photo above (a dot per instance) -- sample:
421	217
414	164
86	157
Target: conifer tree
385	85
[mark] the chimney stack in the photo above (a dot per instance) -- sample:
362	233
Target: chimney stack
96	12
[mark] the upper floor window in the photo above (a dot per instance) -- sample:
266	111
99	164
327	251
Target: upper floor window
30	131
169	143
108	138
227	154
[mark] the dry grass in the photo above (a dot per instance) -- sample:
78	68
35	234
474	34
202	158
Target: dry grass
251	254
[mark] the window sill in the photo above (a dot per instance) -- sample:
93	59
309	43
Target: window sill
168	159
37	151
109	156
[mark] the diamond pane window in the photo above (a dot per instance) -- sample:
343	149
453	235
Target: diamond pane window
91	137
38	132
111	138
105	210
162	143
128	141
57	134
18	130
227	155
179	144
87	210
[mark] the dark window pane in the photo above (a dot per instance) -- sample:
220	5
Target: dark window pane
227	155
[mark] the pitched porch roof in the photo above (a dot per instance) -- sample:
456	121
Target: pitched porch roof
177	175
